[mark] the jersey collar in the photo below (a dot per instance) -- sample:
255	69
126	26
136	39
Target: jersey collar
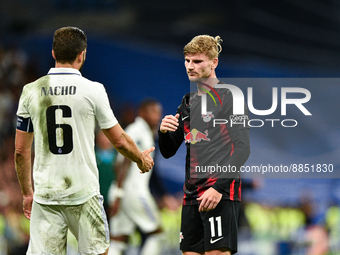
63	71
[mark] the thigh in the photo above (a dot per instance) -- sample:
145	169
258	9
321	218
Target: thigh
142	210
220	226
192	231
121	224
48	230
89	225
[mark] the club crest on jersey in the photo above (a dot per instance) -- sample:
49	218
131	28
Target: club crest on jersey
207	117
195	136
181	237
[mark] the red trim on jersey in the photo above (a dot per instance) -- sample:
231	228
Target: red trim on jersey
232	191
186	127
239	190
225	137
184	201
232	149
203	188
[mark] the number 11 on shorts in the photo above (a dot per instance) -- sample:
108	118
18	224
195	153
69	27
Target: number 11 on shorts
212	226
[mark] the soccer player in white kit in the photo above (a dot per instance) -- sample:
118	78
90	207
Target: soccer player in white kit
133	204
60	111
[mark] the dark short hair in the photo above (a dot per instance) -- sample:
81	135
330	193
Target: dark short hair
147	102
68	43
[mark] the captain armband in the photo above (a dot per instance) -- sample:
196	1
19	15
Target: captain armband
25	124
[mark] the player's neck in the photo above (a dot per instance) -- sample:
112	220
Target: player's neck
206	85
65	65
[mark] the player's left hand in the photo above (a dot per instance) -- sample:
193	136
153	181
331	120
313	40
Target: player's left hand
27	205
209	200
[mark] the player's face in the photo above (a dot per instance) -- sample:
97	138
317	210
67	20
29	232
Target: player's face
152	115
199	66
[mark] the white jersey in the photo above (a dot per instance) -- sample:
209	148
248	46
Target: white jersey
141	133
64	107
138	207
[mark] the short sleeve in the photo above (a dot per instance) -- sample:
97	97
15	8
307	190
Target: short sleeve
104	113
22	107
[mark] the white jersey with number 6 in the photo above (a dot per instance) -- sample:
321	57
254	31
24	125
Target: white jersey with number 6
64	107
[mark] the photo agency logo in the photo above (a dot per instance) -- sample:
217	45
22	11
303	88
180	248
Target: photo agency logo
239	116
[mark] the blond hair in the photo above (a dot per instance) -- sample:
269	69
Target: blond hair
207	44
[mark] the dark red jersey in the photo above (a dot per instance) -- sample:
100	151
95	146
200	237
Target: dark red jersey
217	145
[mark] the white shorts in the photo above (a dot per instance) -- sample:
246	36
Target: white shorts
138	209
50	223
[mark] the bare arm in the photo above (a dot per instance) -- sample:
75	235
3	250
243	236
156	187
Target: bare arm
23	144
127	147
121	170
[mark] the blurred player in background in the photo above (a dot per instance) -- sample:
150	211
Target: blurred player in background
133	206
60	110
211	204
106	159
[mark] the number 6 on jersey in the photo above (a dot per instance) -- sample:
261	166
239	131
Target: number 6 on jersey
59	135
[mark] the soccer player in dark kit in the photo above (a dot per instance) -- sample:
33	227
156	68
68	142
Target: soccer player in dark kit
211	198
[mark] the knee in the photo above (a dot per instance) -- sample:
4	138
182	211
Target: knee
157	231
121	238
224	251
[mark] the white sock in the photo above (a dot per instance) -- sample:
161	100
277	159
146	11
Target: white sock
153	244
117	247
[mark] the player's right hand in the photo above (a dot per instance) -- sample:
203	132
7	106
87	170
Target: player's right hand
147	162
209	200
114	207
169	123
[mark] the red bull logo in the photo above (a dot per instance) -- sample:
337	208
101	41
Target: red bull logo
195	136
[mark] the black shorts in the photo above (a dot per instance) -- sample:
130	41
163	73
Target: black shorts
212	230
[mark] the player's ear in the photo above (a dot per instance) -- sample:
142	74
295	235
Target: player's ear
81	56
53	54
84	54
215	63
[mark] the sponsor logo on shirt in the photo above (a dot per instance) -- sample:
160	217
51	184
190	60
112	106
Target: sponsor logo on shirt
195	136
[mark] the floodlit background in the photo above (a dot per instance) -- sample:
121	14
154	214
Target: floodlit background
135	50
